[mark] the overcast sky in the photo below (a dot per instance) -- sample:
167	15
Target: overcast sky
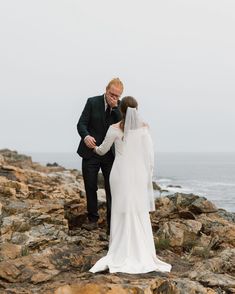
176	57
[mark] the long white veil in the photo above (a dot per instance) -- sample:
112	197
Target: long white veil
137	166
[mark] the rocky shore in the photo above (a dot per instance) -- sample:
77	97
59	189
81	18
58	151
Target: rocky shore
44	250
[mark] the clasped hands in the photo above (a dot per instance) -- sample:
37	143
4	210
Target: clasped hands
90	141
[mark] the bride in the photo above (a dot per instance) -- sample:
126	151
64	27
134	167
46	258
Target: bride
131	244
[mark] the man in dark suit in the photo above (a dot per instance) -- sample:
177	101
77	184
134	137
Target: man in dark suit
99	113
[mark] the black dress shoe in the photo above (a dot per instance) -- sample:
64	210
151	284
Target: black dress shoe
90	226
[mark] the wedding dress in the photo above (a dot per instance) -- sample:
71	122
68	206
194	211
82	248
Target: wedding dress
131	244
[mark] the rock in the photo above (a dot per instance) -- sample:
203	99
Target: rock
75	214
230	216
186	214
47	169
12	173
41	267
18	187
182	200
217	226
96	289
1	208
164	207
179	232
101	195
224	262
43	247
52	164
174	186
202	205
19	238
16	207
156	186
186	286
216	280
8	192
9	251
2	161
100	181
8	271
215	272
16	159
115	285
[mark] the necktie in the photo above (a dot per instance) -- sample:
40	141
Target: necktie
108	116
107	112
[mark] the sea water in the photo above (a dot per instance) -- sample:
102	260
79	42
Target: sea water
206	174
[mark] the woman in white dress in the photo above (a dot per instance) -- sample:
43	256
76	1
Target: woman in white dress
131	244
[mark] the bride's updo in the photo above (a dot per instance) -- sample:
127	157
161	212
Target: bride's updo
127	101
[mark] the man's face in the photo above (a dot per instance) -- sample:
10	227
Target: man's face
113	93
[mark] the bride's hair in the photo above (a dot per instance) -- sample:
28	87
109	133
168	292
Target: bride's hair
126	102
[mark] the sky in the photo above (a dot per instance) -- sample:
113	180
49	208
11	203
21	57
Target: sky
175	57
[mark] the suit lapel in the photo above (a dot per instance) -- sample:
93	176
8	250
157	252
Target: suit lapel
101	109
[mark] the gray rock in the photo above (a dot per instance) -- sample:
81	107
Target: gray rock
230	216
202	205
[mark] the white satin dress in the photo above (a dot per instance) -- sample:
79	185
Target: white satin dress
131	244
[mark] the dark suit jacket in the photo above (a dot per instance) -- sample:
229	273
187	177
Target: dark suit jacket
92	122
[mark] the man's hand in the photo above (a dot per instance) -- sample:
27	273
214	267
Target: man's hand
113	102
90	141
112	95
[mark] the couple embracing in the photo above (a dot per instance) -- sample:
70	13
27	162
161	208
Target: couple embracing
116	140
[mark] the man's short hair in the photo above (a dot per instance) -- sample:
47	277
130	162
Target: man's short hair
116	82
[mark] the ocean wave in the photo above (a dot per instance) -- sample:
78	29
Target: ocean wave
164	180
222	184
176	189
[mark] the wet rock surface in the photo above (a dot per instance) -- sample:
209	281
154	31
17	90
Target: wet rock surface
43	248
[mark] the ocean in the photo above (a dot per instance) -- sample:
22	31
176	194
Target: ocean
206	174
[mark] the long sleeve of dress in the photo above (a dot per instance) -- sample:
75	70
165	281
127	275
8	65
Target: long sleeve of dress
107	143
151	151
149	160
149	147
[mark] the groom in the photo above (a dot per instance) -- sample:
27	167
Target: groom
99	113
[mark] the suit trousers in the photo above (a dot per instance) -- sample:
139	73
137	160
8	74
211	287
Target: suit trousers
90	169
